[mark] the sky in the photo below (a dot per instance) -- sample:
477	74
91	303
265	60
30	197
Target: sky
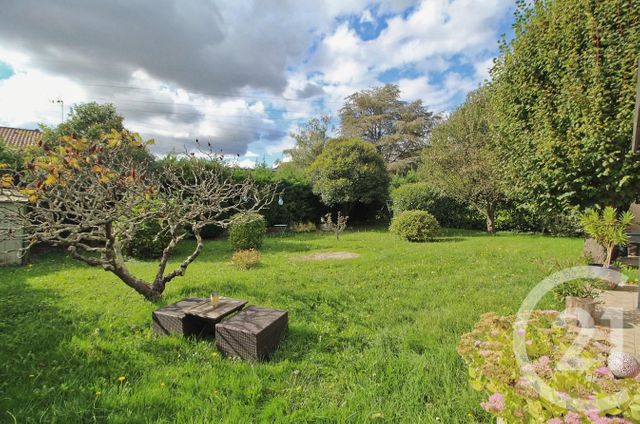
240	75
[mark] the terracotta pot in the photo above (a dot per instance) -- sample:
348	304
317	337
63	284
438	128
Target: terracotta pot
581	311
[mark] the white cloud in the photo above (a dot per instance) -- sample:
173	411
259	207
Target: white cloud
367	17
26	97
246	163
285	61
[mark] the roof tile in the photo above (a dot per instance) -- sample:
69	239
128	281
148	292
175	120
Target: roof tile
18	137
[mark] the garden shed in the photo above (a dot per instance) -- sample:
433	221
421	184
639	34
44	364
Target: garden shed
11	231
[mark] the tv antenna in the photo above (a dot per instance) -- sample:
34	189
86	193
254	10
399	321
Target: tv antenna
61	103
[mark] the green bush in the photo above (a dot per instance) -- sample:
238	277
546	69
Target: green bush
148	241
415	225
247	231
449	212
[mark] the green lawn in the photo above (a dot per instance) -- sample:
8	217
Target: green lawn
370	339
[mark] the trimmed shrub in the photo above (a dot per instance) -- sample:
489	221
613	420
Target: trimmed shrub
449	212
245	259
247	230
416	226
148	242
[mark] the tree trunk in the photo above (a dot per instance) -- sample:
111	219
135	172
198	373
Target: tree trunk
490	213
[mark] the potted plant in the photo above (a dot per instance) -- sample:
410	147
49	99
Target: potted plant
580	296
608	230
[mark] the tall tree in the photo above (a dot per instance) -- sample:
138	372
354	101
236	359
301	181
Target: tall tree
92	121
349	171
462	160
565	91
310	139
398	129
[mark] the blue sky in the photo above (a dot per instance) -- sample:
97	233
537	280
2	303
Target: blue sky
240	75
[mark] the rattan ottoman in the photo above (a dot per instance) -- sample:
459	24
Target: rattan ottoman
253	333
194	316
172	319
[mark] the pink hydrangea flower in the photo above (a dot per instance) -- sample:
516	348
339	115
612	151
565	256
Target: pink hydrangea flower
555	421
593	414
495	403
572	418
544	361
604	371
521	332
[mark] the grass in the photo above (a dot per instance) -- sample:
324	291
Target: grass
371	339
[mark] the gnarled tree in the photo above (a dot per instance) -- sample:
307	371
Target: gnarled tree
90	195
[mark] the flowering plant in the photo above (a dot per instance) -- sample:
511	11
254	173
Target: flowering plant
559	385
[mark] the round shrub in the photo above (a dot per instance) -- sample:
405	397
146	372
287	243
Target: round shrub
415	225
247	231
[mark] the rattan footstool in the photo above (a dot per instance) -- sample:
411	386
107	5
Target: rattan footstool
172	319
253	333
194	316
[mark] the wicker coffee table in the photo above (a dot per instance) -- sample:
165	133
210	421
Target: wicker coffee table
194	316
253	333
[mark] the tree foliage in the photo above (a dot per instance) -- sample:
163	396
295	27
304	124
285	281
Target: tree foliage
461	160
349	171
398	129
310	139
91	196
92	121
9	156
89	120
565	92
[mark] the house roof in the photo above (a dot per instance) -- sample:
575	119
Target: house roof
21	138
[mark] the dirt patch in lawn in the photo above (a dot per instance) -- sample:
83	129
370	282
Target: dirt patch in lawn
323	256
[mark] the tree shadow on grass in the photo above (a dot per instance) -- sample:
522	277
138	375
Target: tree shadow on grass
36	368
61	363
